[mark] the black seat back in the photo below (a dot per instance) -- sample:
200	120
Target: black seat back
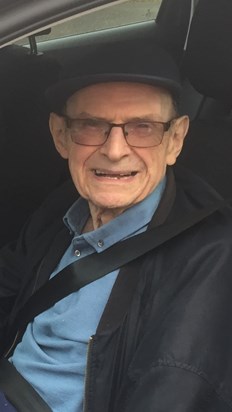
207	66
29	165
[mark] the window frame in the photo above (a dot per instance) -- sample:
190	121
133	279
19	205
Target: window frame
19	19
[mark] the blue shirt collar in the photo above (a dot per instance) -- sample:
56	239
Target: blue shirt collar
131	222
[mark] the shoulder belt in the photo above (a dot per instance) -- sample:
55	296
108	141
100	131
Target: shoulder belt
80	273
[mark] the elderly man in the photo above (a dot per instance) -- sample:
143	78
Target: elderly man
153	335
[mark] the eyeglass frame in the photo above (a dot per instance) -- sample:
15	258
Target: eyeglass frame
166	126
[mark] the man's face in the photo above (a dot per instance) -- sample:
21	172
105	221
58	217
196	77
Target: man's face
116	175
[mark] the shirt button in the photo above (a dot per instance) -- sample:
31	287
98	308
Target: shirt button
100	243
77	253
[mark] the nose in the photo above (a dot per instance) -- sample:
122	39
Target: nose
116	145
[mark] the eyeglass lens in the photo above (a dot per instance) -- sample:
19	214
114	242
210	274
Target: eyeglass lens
91	132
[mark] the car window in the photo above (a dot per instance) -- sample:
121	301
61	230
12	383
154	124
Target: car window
128	12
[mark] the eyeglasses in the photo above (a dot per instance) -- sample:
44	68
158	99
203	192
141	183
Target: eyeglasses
93	132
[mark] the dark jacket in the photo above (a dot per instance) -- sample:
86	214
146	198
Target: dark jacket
164	342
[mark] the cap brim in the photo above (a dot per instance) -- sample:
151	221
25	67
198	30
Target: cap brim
59	93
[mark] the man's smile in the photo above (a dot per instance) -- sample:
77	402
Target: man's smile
115	175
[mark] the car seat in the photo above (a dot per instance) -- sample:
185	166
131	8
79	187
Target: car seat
29	165
207	97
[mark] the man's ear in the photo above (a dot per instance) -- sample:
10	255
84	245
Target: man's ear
58	132
178	131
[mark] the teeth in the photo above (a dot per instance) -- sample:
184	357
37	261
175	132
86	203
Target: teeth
99	173
114	175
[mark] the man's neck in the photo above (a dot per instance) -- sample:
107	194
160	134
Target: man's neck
99	217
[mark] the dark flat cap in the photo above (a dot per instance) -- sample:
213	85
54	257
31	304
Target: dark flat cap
153	66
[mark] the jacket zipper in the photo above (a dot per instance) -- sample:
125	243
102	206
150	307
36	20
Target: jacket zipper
89	348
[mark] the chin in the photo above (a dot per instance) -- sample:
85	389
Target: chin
111	203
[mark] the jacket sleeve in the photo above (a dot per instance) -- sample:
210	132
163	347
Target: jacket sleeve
183	362
12	270
19	261
174	389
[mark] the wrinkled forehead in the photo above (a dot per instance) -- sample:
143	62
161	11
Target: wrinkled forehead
114	93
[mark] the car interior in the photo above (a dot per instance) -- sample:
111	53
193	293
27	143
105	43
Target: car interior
198	35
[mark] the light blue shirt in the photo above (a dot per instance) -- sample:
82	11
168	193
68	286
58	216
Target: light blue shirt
52	353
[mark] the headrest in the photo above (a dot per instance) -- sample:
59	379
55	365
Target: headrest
208	58
21	71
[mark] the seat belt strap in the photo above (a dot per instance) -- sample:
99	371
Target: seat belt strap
71	279
93	267
18	391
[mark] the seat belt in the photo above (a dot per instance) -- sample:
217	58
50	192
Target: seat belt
18	391
75	276
93	267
